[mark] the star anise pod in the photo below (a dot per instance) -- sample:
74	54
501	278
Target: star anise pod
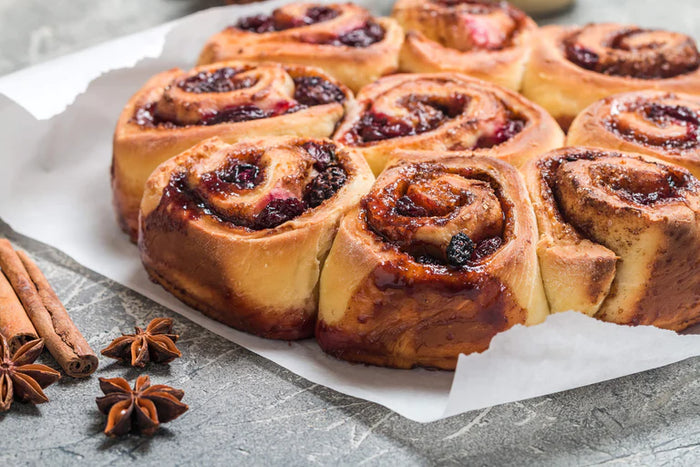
22	379
155	344
144	408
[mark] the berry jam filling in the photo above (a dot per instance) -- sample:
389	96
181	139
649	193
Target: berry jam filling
323	154
362	37
486	247
637	53
278	211
642	183
405	206
582	56
240	113
244	176
313	90
325	185
425	115
221	80
647	190
318	14
257	23
309	91
278	21
512	127
147	116
241	175
662	116
377	127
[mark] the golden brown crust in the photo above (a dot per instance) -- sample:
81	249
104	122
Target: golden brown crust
446	112
391	293
163	119
662	124
312	44
619	236
483	39
212	243
565	88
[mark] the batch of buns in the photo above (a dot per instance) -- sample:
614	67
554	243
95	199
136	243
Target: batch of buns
249	181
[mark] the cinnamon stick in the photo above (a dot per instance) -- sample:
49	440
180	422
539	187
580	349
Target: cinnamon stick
47	313
14	322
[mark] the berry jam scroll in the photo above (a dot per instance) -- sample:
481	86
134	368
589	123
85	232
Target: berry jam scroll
240	231
571	67
661	124
437	258
446	112
619	236
177	109
342	38
481	38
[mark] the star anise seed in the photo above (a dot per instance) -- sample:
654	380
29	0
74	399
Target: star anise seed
20	377
142	409
155	344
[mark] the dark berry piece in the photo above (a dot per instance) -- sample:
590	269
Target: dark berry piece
221	80
325	185
323	154
279	211
486	247
511	128
406	207
377	127
313	90
460	249
663	113
240	113
318	14
244	176
257	23
363	36
582	56
145	116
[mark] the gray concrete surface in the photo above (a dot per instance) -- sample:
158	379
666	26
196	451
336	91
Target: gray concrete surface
245	410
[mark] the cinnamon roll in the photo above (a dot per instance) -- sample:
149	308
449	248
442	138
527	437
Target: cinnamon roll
481	38
239	231
177	109
619	236
571	67
436	259
662	124
446	112
341	38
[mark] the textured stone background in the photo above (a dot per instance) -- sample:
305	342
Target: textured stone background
245	410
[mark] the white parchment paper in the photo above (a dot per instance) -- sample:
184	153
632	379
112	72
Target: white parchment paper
54	186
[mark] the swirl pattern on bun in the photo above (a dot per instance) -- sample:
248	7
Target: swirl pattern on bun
661	124
571	67
437	259
481	38
177	109
343	39
619	236
446	112
240	231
